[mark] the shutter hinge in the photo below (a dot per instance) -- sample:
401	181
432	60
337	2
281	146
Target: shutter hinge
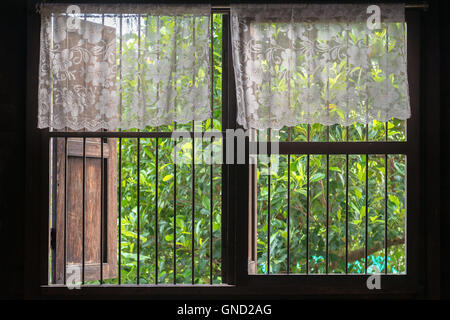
53	238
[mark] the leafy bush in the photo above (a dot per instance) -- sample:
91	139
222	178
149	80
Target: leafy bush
161	231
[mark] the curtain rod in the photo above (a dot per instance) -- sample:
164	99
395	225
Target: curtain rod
424	6
226	8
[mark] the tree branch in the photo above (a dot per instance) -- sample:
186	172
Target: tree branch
360	253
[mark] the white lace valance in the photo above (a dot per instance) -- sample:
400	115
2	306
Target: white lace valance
328	64
123	66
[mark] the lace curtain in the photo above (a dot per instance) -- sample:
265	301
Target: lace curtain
116	66
328	64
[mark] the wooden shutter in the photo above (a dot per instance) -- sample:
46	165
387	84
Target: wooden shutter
68	195
74	248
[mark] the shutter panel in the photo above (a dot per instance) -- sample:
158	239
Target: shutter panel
74	184
74	240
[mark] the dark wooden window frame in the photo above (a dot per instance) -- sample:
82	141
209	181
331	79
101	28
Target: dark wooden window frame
408	148
420	280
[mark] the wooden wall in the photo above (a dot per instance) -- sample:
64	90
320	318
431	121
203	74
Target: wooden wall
12	145
445	147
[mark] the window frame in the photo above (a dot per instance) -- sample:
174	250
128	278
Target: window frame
235	202
356	283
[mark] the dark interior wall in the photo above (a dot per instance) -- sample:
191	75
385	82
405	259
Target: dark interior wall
445	147
12	145
13	76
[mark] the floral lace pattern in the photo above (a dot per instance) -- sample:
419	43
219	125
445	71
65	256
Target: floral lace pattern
304	64
124	66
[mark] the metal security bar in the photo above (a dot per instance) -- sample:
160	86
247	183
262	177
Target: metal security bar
289	148
405	286
368	151
93	257
405	151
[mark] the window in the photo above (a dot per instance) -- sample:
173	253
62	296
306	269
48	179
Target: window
325	68
120	198
322	212
318	210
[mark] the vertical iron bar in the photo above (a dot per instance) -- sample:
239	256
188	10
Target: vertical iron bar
84	203
347	131
307	212
289	166
84	213
328	169
157	172
367	178
211	169
225	123
289	213
138	162
269	140
102	195
52	276
175	175
138	210
53	190
65	209
328	178
308	138
175	211
328	212
65	192
156	210
386	179
120	157
366	217
268	205
254	205
211	204
193	207
120	212
307	202
102	207
385	212
193	171
346	212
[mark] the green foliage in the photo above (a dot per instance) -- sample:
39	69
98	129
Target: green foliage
316	226
161	231
308	221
